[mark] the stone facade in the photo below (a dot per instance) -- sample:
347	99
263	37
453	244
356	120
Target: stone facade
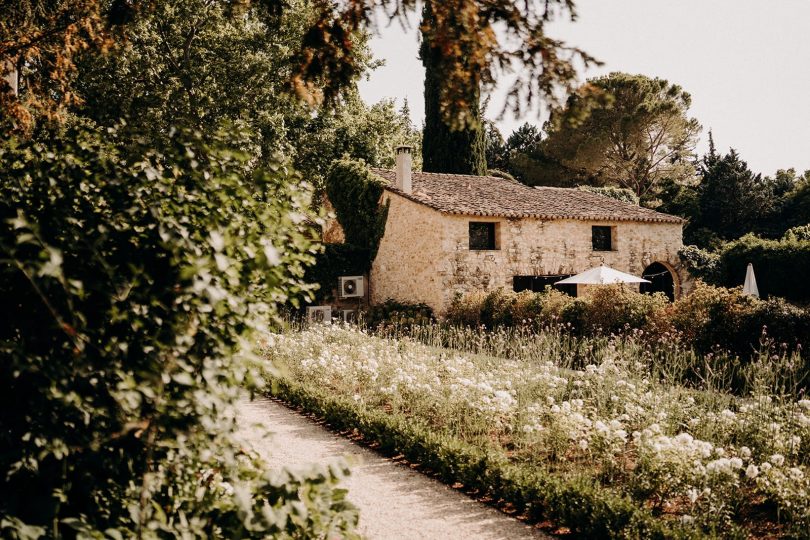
408	263
424	255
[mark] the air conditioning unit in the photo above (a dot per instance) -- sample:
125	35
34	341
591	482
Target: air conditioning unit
351	287
319	314
348	316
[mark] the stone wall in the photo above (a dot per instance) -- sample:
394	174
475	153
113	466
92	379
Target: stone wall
425	256
408	263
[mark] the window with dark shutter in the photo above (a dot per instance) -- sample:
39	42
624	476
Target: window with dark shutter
602	238
482	236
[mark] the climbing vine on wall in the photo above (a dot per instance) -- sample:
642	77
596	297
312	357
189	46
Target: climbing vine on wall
355	193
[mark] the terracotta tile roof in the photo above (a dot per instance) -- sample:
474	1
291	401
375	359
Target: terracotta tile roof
493	196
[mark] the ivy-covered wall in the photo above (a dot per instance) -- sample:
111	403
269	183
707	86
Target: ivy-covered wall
355	195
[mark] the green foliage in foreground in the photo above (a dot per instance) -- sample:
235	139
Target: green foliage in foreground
132	282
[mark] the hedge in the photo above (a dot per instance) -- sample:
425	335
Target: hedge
705	319
580	504
781	266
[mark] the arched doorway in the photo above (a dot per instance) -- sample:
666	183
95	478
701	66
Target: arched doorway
661	280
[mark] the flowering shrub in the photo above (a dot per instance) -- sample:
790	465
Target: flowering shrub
401	314
708	318
703	456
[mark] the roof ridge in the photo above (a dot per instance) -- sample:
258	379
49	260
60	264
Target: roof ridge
447	174
451	193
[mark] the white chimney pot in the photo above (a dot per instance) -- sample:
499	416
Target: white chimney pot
404	181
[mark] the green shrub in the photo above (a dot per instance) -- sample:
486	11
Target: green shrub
402	314
708	318
777	320
801	232
496	309
712	316
506	308
700	263
781	266
132	281
465	309
614	309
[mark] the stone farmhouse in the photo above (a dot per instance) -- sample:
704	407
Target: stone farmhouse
450	234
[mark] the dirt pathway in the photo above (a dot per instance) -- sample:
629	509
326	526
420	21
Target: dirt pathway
394	501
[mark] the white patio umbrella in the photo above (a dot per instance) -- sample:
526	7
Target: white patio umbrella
750	286
601	275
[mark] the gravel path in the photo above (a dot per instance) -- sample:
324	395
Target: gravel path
394	501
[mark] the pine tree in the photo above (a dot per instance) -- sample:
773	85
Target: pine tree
459	149
733	200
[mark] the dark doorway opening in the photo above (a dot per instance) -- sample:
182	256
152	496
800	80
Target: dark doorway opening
539	284
661	280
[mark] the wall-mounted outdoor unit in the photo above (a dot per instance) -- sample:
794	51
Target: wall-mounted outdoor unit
319	314
348	316
351	287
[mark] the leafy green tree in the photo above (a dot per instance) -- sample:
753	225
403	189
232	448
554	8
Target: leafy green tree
353	130
796	206
496	150
193	63
637	140
134	282
327	60
205	67
40	41
790	202
525	139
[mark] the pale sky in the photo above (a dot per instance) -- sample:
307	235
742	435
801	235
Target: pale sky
746	64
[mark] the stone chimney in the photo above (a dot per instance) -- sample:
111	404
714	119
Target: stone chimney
403	182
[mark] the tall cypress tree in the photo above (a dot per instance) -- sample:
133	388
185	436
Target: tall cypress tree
457	149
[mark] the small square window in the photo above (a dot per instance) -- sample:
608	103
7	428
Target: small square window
602	238
482	236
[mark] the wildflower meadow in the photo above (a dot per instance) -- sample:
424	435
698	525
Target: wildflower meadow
610	424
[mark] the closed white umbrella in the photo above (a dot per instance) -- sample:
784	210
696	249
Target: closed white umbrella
750	286
601	275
